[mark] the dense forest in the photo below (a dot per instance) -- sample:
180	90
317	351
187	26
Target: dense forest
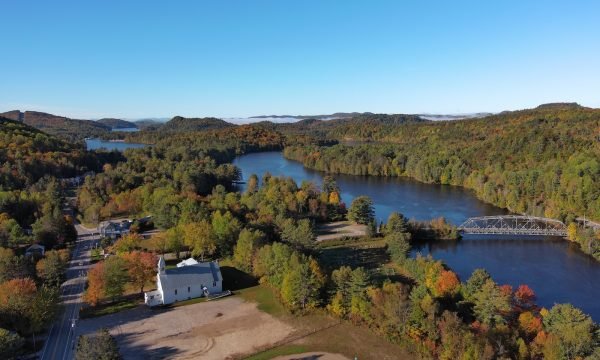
543	161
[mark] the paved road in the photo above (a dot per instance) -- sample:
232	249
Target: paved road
61	339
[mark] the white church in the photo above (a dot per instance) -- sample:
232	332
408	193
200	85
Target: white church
190	279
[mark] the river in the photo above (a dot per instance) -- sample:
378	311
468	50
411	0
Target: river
555	269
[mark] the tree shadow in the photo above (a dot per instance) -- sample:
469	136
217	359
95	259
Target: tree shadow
235	279
130	350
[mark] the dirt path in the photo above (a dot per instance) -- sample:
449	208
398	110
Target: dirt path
340	229
210	330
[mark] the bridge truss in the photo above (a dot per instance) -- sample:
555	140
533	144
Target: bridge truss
513	225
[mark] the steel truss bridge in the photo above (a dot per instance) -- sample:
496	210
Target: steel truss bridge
513	225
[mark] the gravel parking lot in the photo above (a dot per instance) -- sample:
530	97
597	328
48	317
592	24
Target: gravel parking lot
223	329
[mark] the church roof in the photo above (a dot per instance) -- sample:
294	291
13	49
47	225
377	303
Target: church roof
198	274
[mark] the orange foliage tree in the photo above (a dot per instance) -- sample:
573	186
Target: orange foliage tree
447	283
96	288
141	267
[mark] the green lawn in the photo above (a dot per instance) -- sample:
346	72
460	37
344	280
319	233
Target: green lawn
106	309
280	351
265	298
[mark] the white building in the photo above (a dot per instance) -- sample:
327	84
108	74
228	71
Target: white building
184	282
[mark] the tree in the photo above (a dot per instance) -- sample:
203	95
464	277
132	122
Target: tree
247	244
572	231
226	228
299	288
200	238
101	346
115	276
127	243
478	278
300	234
524	297
161	242
361	210
174	238
141	267
252	185
51	268
491	304
330	185
447	284
396	223
575	331
10	344
398	246
96	285
16	299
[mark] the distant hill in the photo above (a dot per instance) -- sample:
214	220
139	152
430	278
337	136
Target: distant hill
442	117
148	124
179	123
337	115
69	129
560	105
117	123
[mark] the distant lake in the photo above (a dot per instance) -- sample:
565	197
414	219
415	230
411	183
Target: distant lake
93	144
125	129
554	268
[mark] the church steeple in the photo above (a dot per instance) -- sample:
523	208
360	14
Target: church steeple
161	265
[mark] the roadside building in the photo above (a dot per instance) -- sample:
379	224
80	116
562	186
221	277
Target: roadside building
35	249
190	280
114	229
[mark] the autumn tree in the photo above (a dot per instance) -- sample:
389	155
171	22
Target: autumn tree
200	238
141	267
447	284
247	244
127	243
576	332
96	289
51	267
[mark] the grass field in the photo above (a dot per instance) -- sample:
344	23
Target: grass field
106	309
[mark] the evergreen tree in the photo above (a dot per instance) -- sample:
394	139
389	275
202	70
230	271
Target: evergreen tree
361	210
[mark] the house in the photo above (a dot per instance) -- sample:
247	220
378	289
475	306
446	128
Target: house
35	249
184	282
114	229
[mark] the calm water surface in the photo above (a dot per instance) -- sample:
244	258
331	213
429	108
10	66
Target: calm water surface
554	269
93	144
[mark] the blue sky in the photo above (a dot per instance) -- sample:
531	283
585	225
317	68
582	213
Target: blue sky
241	58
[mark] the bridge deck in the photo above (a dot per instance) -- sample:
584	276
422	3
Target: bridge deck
513	225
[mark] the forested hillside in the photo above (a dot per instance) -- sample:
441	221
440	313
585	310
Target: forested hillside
117	123
167	178
28	154
182	124
67	129
544	161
